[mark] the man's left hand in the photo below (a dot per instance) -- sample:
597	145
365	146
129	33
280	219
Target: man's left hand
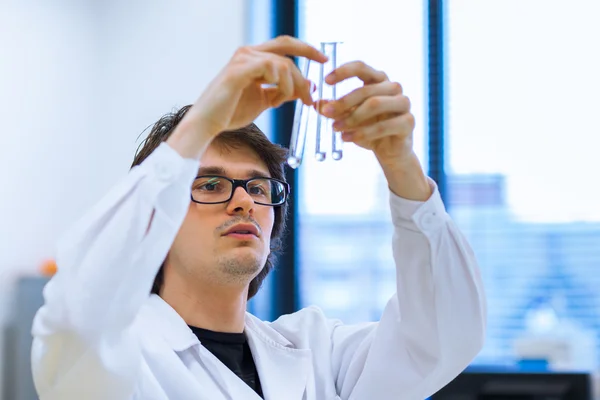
377	117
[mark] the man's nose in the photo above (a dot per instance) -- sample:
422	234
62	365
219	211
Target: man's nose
241	202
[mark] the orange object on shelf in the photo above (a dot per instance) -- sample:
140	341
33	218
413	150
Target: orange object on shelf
48	268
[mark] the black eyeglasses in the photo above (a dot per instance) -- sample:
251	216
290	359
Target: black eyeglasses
214	189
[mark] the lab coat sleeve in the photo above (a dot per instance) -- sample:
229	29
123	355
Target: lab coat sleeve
83	346
432	327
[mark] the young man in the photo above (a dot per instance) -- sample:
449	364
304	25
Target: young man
195	223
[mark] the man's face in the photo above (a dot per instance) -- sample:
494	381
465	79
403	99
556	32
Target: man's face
202	250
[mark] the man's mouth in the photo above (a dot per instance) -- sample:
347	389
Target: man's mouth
243	235
242	231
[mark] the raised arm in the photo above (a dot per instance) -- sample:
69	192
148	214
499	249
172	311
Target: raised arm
432	327
83	345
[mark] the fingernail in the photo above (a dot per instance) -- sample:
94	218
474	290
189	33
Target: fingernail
347	136
328	110
338	125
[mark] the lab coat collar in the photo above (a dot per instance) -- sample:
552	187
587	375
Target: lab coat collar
283	369
180	337
258	327
171	326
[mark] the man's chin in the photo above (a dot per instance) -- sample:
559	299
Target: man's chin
242	262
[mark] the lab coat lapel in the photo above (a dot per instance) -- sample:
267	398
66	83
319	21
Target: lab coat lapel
232	386
283	370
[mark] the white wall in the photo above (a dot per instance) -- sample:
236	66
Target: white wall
79	81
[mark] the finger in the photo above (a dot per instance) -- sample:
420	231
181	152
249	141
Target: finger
372	108
357	69
401	125
270	71
358	96
321	104
290	46
270	95
303	88
266	68
260	68
285	86
292	84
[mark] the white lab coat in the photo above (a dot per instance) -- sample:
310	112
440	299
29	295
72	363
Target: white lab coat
100	335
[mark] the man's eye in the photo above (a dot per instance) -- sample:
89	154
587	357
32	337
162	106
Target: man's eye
258	189
210	185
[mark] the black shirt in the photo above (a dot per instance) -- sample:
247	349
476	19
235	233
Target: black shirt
232	349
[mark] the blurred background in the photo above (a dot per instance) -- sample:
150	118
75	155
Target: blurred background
505	97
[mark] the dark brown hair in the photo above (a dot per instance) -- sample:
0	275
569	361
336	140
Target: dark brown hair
250	136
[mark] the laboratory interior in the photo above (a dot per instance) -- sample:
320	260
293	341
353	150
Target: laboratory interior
504	98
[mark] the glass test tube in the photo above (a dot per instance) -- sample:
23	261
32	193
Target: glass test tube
299	128
325	134
336	137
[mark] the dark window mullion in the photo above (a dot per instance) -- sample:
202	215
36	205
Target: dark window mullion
284	280
436	93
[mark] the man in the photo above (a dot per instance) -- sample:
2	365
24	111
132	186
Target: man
100	335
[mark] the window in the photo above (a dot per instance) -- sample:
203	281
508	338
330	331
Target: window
521	162
345	231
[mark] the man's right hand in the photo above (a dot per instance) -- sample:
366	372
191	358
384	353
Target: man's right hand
255	79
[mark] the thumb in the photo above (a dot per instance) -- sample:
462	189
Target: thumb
273	98
271	95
